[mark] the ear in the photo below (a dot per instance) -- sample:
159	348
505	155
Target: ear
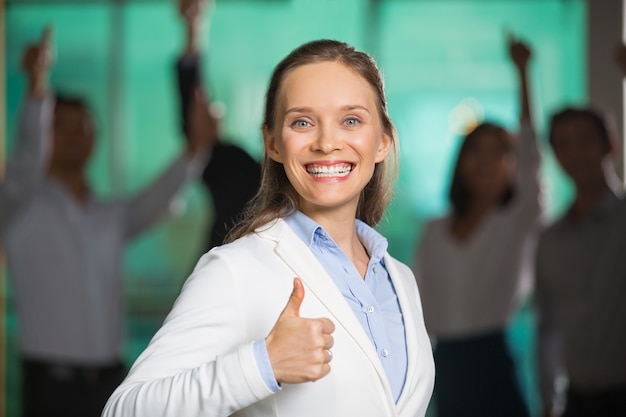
270	145
383	148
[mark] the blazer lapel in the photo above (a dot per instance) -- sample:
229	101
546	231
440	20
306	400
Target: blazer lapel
408	305
305	265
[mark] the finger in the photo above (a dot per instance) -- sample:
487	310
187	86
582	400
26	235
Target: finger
46	37
327	325
295	299
329	341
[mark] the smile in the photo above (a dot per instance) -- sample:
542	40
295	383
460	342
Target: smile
322	171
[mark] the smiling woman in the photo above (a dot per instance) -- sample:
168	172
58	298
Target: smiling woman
224	350
329	148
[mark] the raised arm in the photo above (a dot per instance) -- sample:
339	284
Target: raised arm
153	203
27	165
528	159
520	55
198	125
188	68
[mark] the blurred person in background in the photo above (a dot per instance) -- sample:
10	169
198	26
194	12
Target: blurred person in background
231	176
470	263
64	246
581	273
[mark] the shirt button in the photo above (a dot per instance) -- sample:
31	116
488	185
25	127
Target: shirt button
370	309
375	270
384	353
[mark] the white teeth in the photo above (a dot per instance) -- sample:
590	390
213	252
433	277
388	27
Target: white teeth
329	171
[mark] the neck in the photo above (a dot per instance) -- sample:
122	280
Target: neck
340	226
587	197
464	227
73	180
480	206
477	210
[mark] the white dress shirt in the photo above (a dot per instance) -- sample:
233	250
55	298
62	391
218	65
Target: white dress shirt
475	286
64	257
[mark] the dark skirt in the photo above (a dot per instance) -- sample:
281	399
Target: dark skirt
476	377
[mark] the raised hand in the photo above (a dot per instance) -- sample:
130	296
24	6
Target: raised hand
299	348
191	12
519	52
36	62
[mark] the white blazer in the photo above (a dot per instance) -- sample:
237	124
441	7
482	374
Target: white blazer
201	361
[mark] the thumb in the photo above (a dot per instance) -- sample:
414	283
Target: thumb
295	299
46	37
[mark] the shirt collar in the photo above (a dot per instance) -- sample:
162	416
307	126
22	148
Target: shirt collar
57	188
312	234
303	226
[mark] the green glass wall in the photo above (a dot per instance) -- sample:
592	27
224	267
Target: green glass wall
442	60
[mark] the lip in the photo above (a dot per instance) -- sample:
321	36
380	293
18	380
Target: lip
329	171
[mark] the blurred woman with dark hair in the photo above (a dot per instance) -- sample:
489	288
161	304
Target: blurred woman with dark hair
469	264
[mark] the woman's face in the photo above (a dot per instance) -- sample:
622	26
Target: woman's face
328	136
487	166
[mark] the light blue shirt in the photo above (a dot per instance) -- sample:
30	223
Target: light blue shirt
373	299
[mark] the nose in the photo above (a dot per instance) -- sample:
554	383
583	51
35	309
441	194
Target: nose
328	139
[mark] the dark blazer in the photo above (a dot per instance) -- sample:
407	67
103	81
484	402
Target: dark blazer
231	176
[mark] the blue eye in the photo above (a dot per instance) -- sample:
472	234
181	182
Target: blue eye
351	121
300	123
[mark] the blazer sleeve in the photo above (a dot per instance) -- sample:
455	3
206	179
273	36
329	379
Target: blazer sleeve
188	76
196	364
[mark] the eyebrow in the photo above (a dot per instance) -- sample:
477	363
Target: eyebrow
309	109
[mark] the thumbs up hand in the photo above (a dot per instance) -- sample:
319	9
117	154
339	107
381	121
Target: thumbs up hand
299	348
